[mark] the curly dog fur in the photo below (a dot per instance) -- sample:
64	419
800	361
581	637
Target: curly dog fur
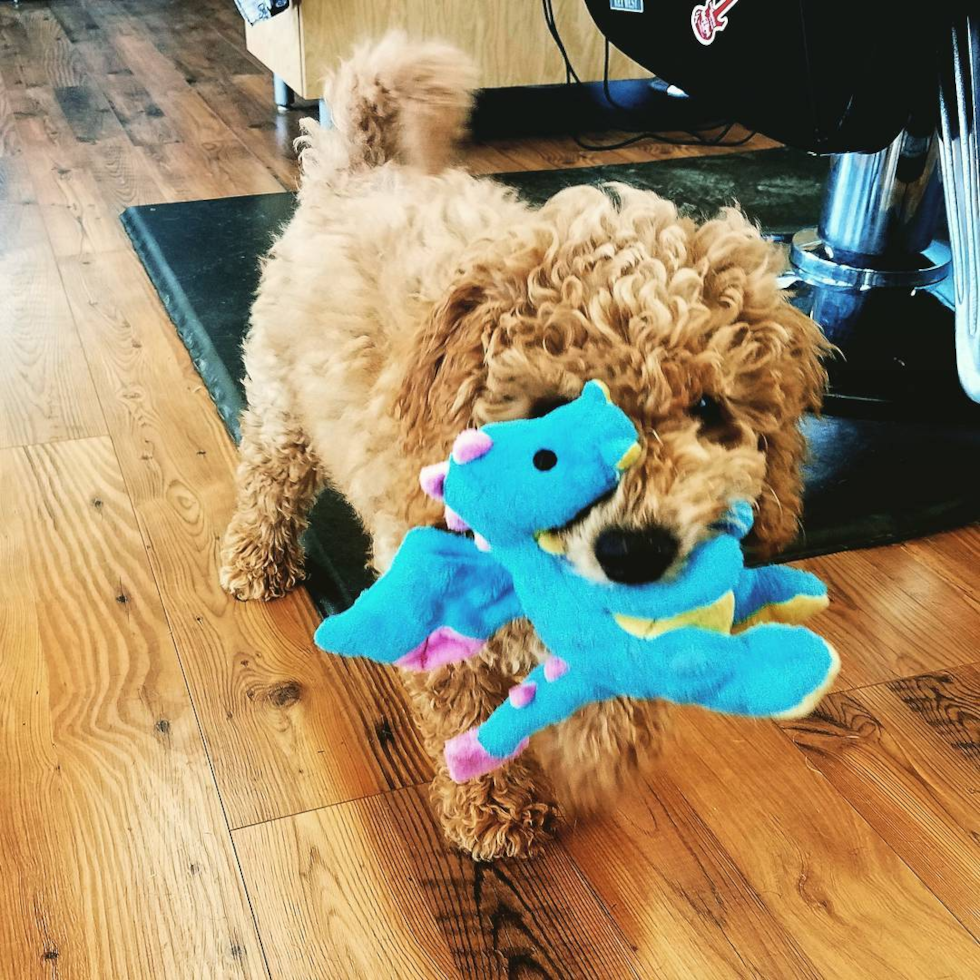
407	300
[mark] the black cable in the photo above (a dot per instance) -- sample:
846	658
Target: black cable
638	136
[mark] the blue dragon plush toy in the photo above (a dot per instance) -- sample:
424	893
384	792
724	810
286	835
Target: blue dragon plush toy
717	634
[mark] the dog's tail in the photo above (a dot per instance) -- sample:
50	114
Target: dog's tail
391	100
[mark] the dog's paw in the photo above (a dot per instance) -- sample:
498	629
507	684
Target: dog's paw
253	571
500	815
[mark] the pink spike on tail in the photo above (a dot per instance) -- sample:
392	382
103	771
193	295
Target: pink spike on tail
466	758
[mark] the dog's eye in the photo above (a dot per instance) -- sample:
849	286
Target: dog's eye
542	406
545	459
716	423
708	411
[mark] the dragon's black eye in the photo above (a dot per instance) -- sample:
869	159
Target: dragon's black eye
546	404
544	459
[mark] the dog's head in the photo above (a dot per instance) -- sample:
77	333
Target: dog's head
686	325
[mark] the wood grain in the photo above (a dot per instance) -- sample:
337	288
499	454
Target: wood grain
190	115
849	902
244	103
10	145
882	616
209	170
955	557
143	120
678	895
906	756
115	855
370	889
46	393
88	113
41	53
288	729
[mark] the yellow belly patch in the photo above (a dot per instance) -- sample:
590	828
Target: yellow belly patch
792	611
629	457
716	617
550	542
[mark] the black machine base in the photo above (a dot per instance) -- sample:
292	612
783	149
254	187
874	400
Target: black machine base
896	355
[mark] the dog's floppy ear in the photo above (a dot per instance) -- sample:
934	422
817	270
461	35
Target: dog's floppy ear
448	370
802	379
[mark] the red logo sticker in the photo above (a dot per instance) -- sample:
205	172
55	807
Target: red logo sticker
709	18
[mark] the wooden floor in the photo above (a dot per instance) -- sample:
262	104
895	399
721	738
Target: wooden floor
187	790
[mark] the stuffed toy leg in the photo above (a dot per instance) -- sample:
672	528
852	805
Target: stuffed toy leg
769	671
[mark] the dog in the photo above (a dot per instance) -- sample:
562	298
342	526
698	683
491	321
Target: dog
407	300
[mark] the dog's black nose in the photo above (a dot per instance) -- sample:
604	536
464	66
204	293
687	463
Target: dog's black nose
635	556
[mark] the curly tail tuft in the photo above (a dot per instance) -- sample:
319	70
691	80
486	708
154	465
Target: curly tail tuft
391	100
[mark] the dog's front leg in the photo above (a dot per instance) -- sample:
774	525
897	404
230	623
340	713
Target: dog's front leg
507	813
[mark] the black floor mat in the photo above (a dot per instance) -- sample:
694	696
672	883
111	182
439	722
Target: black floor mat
869	482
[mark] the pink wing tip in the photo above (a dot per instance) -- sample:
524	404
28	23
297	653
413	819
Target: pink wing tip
471	444
432	479
555	667
443	646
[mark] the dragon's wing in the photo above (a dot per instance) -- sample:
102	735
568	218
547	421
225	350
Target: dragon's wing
440	600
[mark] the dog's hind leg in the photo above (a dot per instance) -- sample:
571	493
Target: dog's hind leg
277	481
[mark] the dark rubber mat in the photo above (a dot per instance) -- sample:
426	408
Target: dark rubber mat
868	482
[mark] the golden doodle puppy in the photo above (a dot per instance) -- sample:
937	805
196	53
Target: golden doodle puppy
407	300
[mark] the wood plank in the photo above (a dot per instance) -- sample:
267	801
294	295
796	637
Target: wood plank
850	903
370	889
955	557
682	902
198	51
79	216
76	21
46	393
245	104
42	54
186	171
16	186
88	113
906	756
123	176
187	112
10	145
882	615
288	729
143	120
111	833
75	213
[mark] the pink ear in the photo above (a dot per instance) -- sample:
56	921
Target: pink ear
471	444
433	480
